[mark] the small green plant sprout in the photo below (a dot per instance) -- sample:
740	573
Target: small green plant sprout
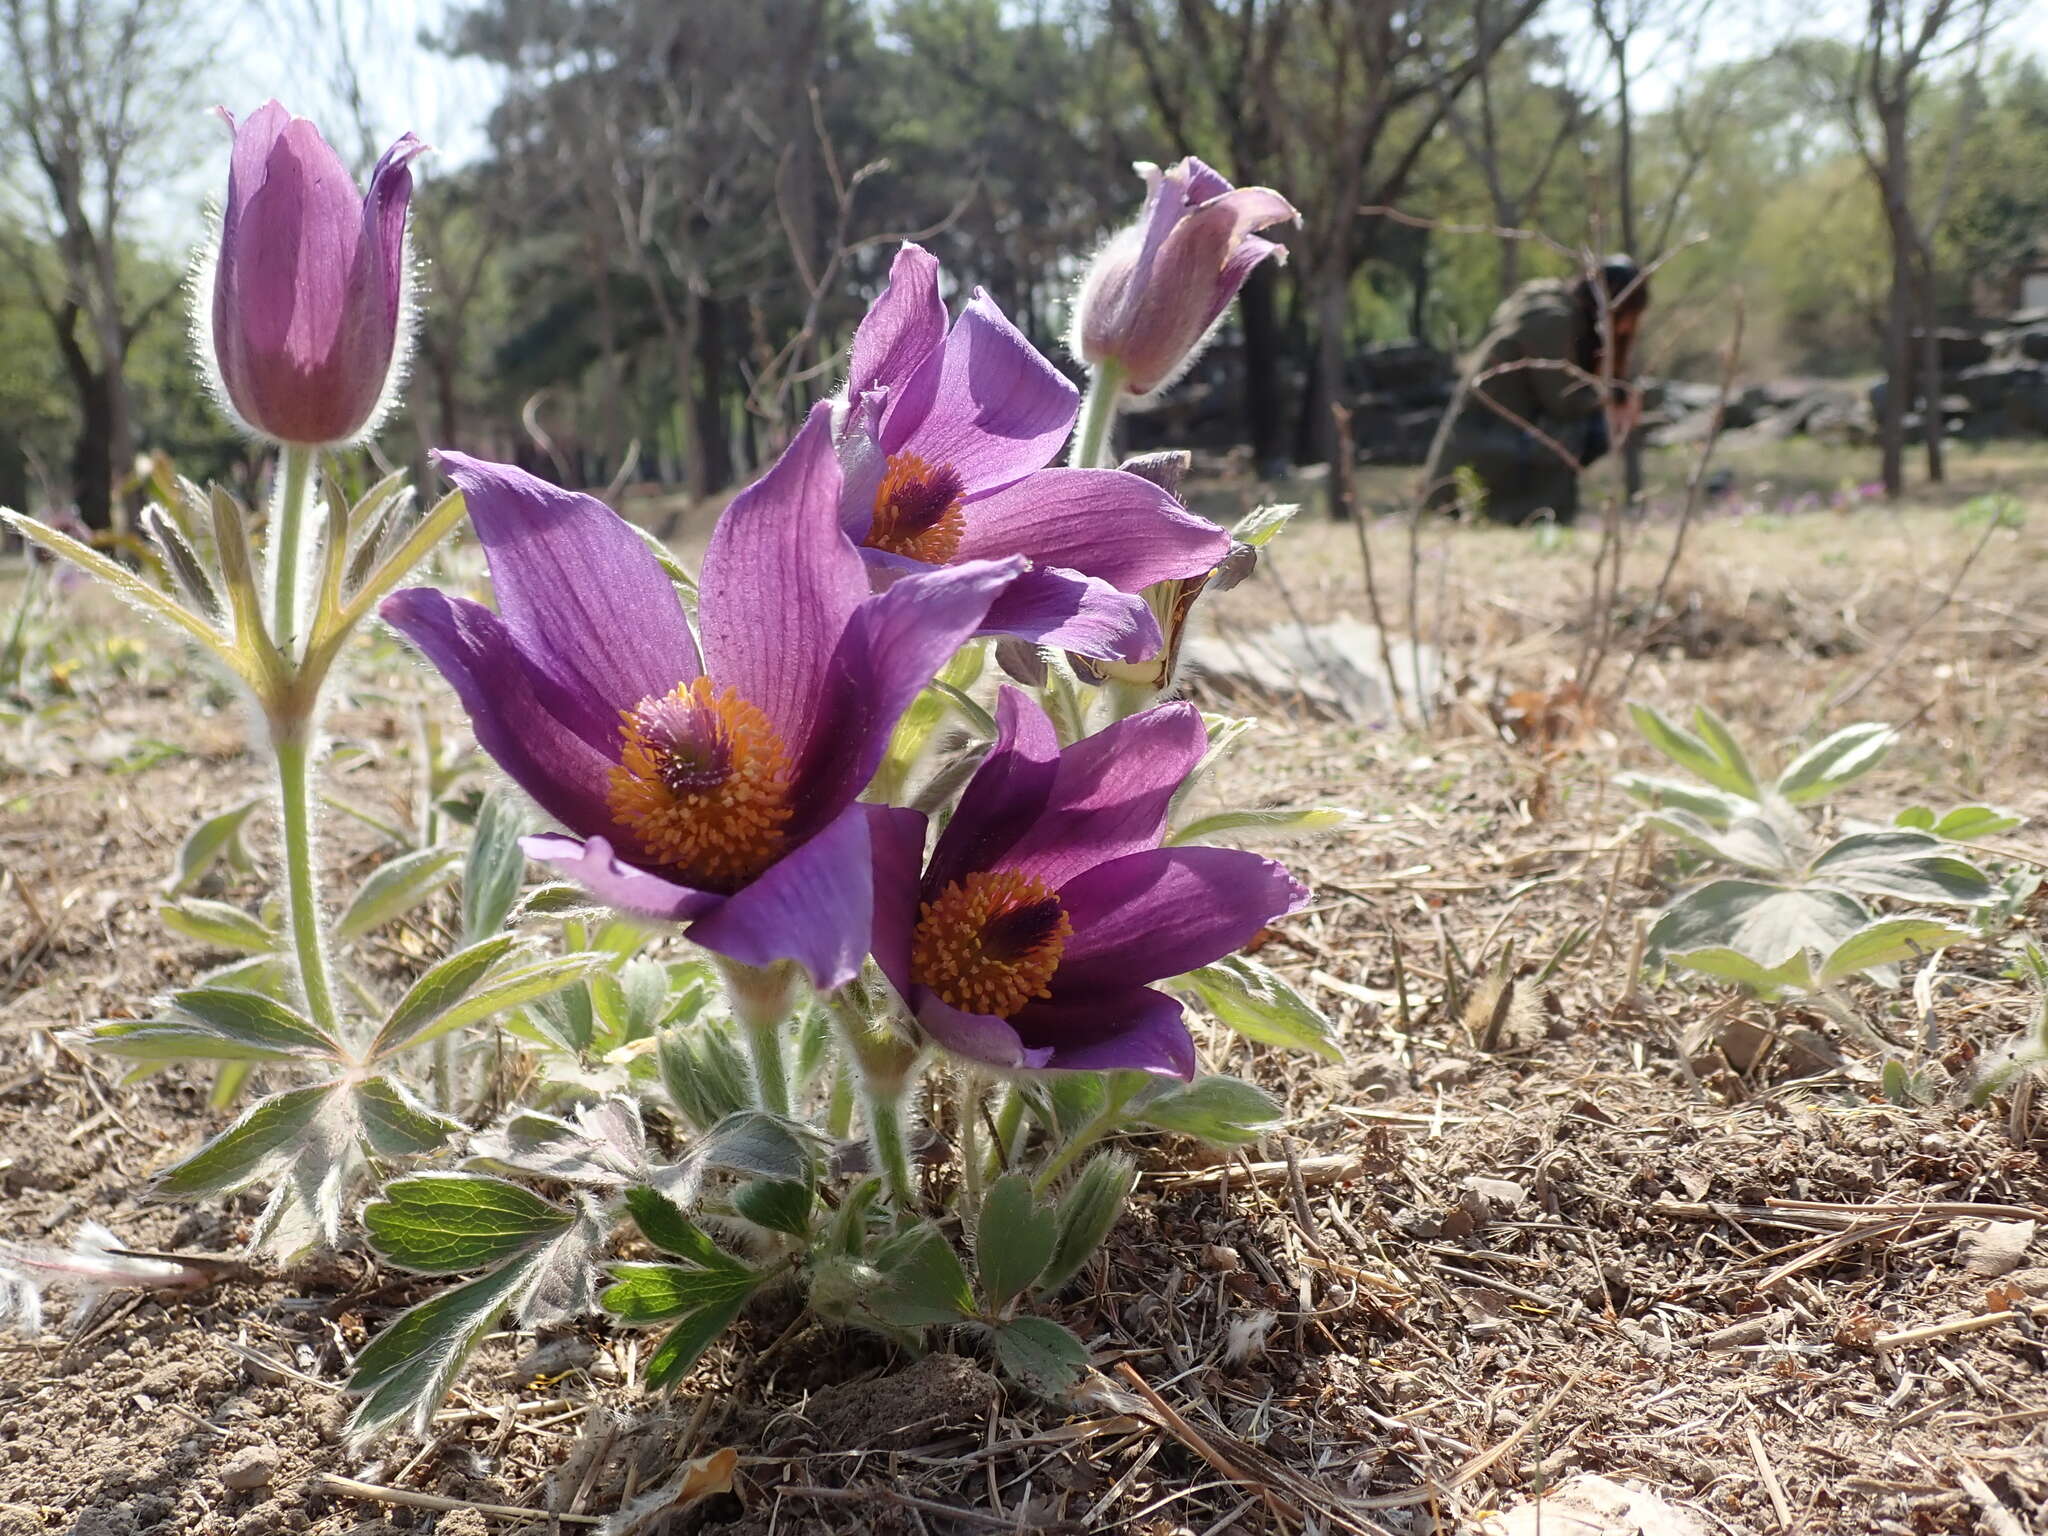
2026	1054
1796	914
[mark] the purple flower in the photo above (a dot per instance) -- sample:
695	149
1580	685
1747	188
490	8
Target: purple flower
711	787
1157	289
1048	905
946	434
309	283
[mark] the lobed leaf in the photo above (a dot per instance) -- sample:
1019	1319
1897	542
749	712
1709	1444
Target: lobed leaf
686	1342
511	988
1690	752
240	1155
1711	805
1087	1212
780	1205
1725	964
1040	1353
220	924
1013	1240
1737	776
394	888
1911	866
1767	923
654	1293
439	988
1261	1005
395	1123
663	1224
1829	764
444	1223
1891	941
1222	1110
920	1281
407	1369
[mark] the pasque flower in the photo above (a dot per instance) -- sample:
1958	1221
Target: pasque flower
713	785
1030	936
1156	290
308	321
946	433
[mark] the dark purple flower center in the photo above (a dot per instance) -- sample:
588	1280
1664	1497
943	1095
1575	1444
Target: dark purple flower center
917	510
990	943
703	785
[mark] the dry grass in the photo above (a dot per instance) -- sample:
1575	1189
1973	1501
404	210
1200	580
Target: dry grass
1644	1231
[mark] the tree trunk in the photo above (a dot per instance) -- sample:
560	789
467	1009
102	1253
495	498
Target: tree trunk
688	340
1265	386
92	457
1898	320
1931	422
710	403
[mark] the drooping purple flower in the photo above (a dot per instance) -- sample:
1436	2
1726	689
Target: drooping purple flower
946	434
1030	936
308	320
1157	289
715	786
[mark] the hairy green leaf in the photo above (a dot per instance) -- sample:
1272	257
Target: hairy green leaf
1261	1005
1223	1110
249	1148
1737	776
444	1223
1911	866
1040	1353
1241	826
1713	806
439	988
1795	973
1768	923
1690	752
214	839
494	867
1087	1211
686	1342
219	923
407	1369
654	1293
1829	764
1891	941
921	1281
780	1205
665	1226
1013	1240
511	988
396	1124
394	888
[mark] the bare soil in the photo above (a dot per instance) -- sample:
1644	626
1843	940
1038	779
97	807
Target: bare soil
1654	1233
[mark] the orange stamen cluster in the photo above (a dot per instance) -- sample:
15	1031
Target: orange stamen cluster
917	510
703	784
990	943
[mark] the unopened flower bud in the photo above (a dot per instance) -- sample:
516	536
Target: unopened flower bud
308	320
1157	289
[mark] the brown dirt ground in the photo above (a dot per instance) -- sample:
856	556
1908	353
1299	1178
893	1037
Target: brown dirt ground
1634	1239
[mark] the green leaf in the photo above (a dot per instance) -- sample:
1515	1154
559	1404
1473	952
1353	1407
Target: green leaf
630	1002
445	1223
654	1293
1768	923
439	988
1262	525
665	1226
921	1281
1320	818
1967	823
780	1205
1087	1212
1751	842
219	923
511	988
1710	805
255	1019
1737	776
1891	941
688	1340
1260	1005
1898	1087
216	838
494	867
1013	1241
1917	818
395	888
750	1142
407	1369
1223	1110
1690	752
181	1040
1724	964
1912	866
396	1124
1829	764
1040	1353
241	1154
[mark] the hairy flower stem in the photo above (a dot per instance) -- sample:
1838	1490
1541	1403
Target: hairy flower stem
1099	1125
839	1108
287	524
886	1063
290	744
1009	1122
1091	448
883	1111
763	998
971	1089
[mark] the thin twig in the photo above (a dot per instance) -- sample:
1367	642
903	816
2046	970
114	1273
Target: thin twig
348	1487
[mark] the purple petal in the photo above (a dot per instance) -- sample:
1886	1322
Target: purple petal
383	242
901	327
1237	266
1202	182
517	714
1077	613
1101	521
896	837
1006	796
580	591
892	645
597	869
815	905
1133	1028
977	1036
779	584
992	406
1167	911
1111	793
